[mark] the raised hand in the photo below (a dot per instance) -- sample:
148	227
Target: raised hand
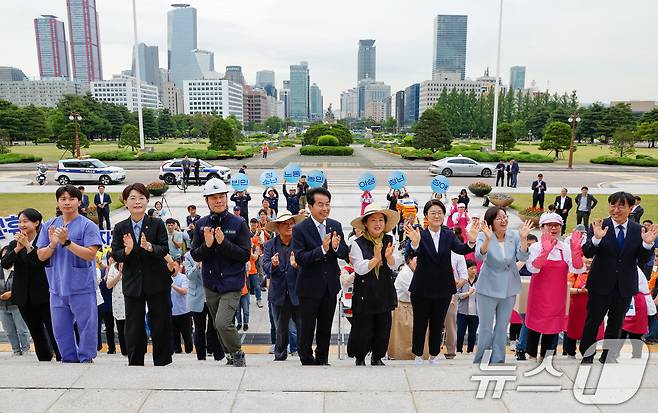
473	233
62	234
547	243
576	240
128	243
576	249
219	235
486	230
525	229
649	235
378	252
145	244
335	241
275	260
599	231
412	233
21	241
293	262
208	236
52	236
389	250
326	242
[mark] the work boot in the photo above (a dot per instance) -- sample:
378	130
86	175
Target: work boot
238	359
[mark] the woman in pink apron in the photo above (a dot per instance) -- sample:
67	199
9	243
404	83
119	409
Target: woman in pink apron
461	219
453	209
366	199
578	311
636	322
550	262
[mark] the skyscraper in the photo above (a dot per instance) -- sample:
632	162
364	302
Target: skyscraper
411	103
52	50
149	64
367	64
181	41
85	40
265	79
450	44
234	74
317	111
11	74
298	97
517	78
372	91
205	60
399	108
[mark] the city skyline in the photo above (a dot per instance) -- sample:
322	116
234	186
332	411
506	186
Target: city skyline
585	58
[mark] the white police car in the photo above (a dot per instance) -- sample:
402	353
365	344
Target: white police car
170	169
87	170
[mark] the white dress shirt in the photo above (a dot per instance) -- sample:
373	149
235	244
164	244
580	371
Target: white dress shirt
597	241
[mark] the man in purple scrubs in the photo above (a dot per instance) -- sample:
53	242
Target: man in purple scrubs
68	244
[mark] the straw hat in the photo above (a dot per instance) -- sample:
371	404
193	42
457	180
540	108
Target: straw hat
392	217
273	226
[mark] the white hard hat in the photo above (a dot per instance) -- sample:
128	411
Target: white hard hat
214	186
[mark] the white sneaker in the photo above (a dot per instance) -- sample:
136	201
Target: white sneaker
272	349
512	345
434	360
418	360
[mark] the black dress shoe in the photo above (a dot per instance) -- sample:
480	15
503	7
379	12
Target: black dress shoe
112	351
520	356
587	360
377	362
360	362
322	363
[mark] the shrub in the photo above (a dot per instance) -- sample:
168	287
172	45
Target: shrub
613	160
18	158
196	153
496	156
114	156
479	188
328	140
312	150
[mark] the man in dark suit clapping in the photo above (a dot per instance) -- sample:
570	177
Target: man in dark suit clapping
616	245
140	243
317	243
102	202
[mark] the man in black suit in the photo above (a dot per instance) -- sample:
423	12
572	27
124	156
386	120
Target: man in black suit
140	243
538	192
616	245
563	205
585	202
84	204
317	243
102	202
637	211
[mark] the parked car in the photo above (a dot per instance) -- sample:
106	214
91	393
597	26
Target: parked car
460	166
88	170
169	169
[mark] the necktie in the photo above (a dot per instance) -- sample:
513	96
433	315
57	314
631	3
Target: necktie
322	231
620	237
136	230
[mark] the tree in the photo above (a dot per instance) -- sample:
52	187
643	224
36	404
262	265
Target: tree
318	129
537	121
237	127
10	118
557	137
432	132
505	139
166	125
221	135
5	141
150	124
273	124
33	124
648	131
389	124
66	139
623	141
592	124
129	137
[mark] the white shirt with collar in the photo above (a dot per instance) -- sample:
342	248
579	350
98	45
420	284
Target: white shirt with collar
563	199
317	224
597	241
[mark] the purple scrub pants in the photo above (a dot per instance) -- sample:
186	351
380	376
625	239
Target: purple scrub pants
81	309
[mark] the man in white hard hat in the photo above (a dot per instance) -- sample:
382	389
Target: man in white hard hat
222	244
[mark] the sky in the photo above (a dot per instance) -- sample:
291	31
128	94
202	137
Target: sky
604	49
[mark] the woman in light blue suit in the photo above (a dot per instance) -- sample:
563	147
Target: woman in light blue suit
499	248
196	302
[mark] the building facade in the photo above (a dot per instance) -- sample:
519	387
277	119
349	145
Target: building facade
367	60
517	78
181	41
44	93
256	105
122	90
171	98
11	74
220	96
316	113
149	64
85	40
450	44
431	90
234	74
399	108
298	97
52	49
369	91
349	104
411	104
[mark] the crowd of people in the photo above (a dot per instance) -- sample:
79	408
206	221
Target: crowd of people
446	279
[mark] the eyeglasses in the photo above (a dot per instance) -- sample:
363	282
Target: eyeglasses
434	214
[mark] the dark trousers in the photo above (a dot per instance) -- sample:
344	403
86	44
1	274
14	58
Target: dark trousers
564	218
108	319
547	341
370	332
569	345
428	312
598	305
37	318
182	326
186	175
514	331
205	329
103	216
538	199
159	305
583	216
637	343
470	322
196	177
121	326
284	313
509	179
315	313
500	178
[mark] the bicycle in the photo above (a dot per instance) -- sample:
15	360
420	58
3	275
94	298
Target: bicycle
181	183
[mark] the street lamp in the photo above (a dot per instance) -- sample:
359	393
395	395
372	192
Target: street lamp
75	116
573	119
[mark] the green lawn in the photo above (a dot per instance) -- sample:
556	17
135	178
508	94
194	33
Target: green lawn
45	203
584	153
50	153
649	203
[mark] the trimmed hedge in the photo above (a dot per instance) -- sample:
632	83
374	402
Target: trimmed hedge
476	155
328	140
640	160
312	150
18	158
196	153
114	156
